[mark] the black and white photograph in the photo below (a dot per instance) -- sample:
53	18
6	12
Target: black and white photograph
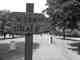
39	30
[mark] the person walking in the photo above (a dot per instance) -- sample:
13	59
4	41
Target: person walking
51	40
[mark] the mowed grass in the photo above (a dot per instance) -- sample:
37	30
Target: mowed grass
6	55
18	53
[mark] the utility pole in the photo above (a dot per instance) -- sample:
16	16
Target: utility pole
28	46
29	32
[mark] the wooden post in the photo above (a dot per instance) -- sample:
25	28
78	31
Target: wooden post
28	46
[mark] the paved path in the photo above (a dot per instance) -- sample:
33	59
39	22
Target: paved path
9	40
57	51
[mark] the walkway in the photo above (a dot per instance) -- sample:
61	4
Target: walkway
57	51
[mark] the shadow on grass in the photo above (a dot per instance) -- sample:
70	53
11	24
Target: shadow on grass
77	45
1	58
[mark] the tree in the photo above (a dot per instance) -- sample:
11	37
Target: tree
3	19
61	12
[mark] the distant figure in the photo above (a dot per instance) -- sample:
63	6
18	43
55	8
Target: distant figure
12	46
51	40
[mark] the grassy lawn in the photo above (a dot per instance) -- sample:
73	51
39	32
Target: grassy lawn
18	53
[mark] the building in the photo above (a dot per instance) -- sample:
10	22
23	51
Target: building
21	21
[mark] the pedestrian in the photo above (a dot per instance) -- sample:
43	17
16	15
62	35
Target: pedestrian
51	40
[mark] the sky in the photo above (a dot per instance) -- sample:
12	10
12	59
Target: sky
20	5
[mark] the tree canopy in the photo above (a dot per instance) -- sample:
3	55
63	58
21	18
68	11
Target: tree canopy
64	13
